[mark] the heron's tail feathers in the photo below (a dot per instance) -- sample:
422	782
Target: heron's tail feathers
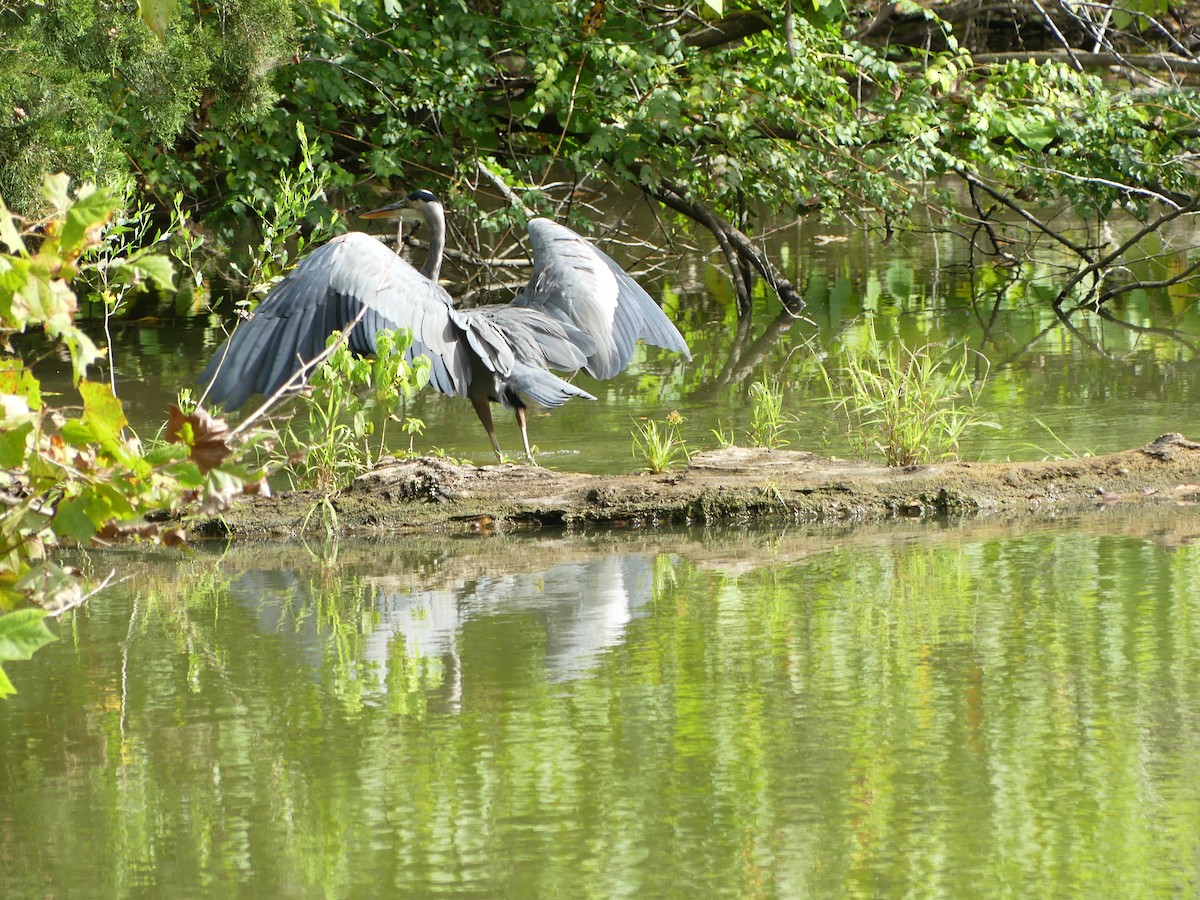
544	388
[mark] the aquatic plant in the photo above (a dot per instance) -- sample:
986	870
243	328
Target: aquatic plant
725	437
660	445
338	427
910	405
1065	451
767	418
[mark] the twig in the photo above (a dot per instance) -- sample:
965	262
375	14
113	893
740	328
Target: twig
503	188
298	380
1041	226
1106	260
1058	35
69	605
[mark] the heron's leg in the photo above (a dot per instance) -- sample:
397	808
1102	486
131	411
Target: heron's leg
484	411
525	434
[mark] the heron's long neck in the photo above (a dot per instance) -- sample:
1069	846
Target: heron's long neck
435	219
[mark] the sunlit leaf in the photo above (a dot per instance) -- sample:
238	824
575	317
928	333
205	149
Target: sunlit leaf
18	381
152	267
1035	132
21	634
55	189
157	14
102	412
77	434
85	219
10	237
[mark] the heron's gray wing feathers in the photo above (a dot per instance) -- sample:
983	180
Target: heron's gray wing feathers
543	387
325	292
507	336
580	284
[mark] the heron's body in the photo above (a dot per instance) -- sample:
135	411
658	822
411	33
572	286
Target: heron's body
580	310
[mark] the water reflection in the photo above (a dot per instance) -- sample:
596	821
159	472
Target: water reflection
1098	383
919	711
583	607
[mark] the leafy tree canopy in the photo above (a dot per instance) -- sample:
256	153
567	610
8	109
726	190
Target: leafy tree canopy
712	109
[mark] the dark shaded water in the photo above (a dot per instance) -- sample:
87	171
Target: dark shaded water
939	712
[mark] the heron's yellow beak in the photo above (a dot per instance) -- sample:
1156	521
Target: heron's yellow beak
391	211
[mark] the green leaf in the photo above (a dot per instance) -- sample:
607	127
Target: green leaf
14	444
102	412
152	267
9	235
1035	132
21	634
85	218
72	519
77	434
54	189
157	14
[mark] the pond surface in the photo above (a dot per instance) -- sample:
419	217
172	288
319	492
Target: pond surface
983	709
1093	384
979	710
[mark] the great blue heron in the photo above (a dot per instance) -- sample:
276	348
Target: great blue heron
580	310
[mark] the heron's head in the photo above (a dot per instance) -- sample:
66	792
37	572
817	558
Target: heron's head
411	207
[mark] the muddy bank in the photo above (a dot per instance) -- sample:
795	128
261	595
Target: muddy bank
729	486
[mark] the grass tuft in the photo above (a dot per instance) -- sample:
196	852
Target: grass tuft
660	444
910	405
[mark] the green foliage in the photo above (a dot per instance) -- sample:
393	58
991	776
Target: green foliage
725	438
910	405
77	472
283	215
1064	451
21	633
767	418
789	120
339	429
88	88
660	445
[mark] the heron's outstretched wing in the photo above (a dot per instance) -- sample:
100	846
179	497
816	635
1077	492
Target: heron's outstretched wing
350	274
580	284
507	336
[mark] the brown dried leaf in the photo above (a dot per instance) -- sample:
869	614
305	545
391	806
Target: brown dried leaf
261	488
204	436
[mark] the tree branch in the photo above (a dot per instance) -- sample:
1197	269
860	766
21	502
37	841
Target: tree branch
739	250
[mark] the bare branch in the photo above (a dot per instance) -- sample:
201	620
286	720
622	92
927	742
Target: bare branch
1108	259
1004	200
297	381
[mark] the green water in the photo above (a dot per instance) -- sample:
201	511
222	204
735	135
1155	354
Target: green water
1090	385
914	710
978	710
